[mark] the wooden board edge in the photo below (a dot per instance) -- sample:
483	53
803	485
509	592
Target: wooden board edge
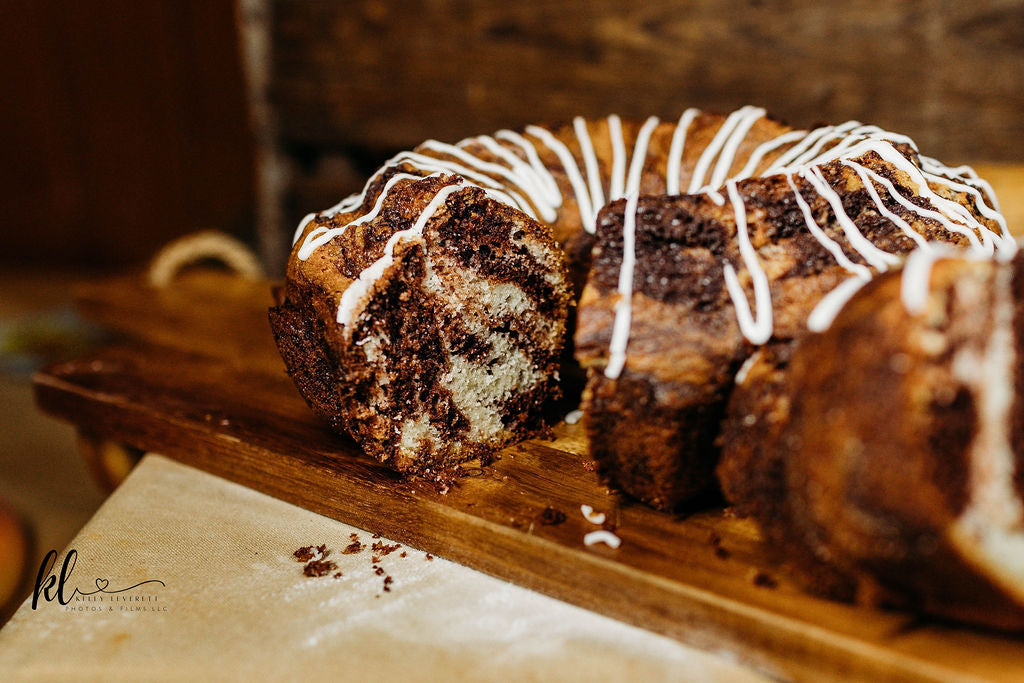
780	646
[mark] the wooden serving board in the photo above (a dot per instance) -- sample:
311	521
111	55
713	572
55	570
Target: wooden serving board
196	377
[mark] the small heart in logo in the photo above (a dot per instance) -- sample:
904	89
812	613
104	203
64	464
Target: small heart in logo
102	584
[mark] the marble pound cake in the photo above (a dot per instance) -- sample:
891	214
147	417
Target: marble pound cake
424	316
426	319
684	289
460	257
883	458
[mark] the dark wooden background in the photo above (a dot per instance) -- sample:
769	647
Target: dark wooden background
122	124
125	123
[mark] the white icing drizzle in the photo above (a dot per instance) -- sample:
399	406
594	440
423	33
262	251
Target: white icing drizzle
790	155
736	125
579	124
544	177
515	175
917	271
879	259
826	241
741	375
921	211
636	166
758	330
618	157
591	516
952	216
530	178
759	152
828	308
602	536
319	236
675	150
356	291
623	305
866	176
965	174
806	152
892	156
495	188
990	212
732	145
572	171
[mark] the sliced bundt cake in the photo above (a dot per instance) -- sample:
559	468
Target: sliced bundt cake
883	457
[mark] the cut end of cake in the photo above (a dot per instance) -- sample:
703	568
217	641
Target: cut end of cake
450	351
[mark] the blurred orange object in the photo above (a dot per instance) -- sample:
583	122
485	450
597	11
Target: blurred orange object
13	556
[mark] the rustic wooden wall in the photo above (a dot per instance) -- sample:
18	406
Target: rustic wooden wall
351	82
125	123
122	124
392	72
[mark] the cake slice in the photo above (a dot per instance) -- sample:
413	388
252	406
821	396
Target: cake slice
684	289
426	322
883	457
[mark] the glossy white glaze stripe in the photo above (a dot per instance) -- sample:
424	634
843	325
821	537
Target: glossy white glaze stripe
878	259
840	136
764	148
917	271
572	171
846	142
828	308
717	142
881	133
893	156
979	202
306	220
964	173
618	184
624	304
759	330
500	191
926	213
787	157
728	155
636	166
579	124
320	236
833	247
347	204
543	173
526	176
356	291
675	150
865	178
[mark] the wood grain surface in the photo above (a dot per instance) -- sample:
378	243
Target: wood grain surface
196	378
348	84
390	73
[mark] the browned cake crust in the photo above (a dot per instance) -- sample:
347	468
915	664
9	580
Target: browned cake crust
751	471
878	460
332	372
685	344
477	297
562	175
